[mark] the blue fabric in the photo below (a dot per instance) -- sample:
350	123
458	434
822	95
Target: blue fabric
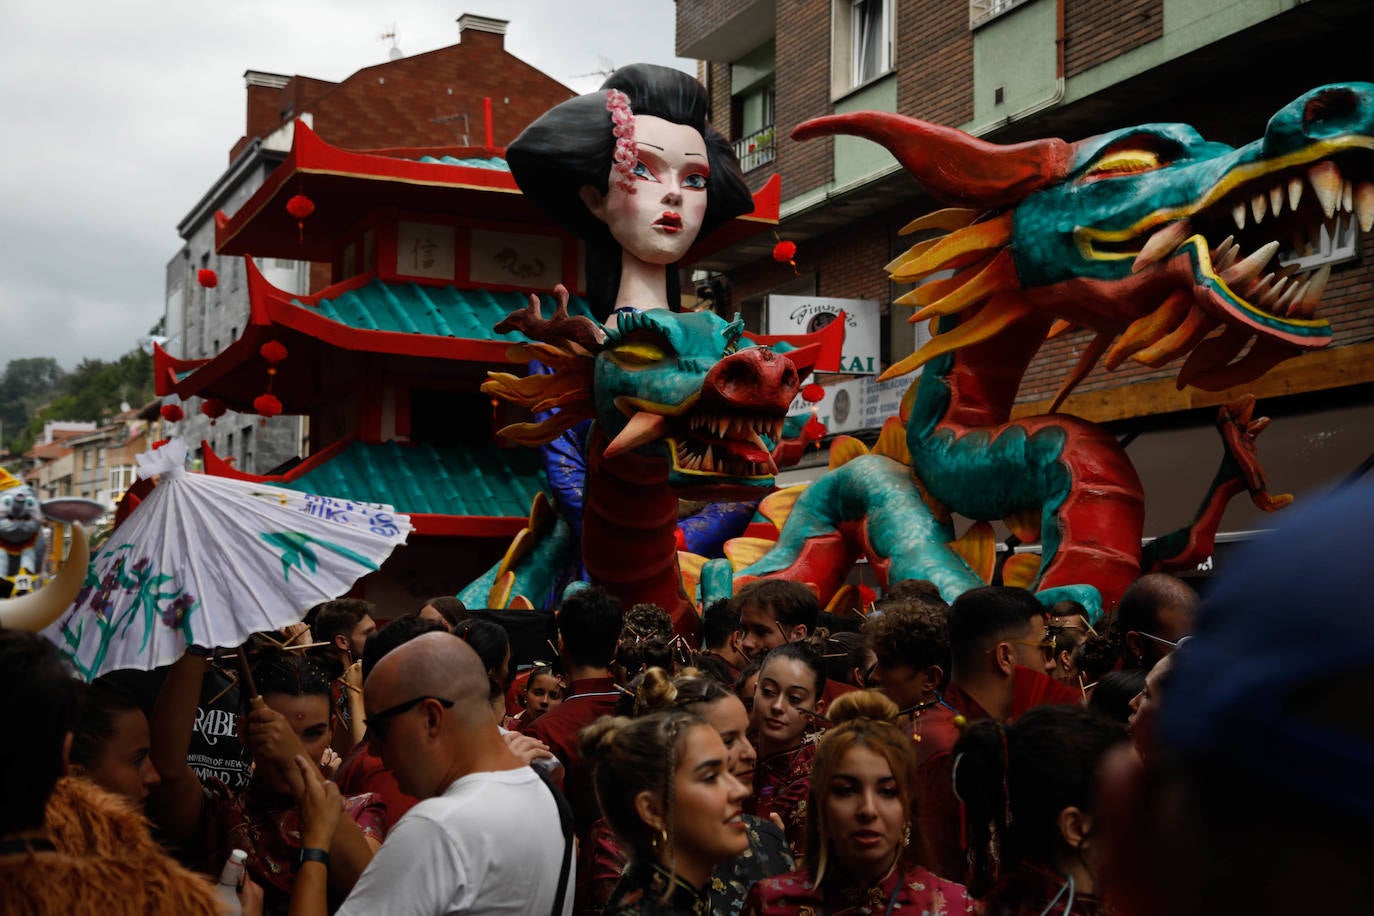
1291	610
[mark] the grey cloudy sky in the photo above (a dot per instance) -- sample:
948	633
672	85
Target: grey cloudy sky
119	115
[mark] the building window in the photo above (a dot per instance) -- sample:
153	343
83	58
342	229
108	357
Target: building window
870	40
756	145
862	43
121	478
981	11
1336	242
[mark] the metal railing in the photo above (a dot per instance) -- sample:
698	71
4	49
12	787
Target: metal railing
756	149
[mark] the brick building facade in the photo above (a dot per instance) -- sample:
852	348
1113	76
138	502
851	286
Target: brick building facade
1011	70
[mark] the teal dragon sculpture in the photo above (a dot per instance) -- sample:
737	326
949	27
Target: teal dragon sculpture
1163	244
682	406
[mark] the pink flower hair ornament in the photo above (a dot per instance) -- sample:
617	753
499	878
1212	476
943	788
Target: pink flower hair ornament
626	155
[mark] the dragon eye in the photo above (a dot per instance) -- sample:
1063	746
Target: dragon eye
1125	162
638	353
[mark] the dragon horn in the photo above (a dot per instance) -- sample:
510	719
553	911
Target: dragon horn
34	611
952	166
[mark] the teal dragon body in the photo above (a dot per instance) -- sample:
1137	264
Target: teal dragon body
1167	247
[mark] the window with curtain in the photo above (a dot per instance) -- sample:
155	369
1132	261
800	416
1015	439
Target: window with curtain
870	40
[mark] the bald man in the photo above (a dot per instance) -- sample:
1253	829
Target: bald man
487	835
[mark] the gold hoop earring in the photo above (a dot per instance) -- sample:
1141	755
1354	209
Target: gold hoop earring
906	835
659	840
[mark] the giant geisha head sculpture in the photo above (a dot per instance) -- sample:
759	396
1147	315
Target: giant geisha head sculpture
636	172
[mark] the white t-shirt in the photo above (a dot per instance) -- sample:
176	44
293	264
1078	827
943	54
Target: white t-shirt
490	844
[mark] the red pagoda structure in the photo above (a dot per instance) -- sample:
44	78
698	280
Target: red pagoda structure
428	249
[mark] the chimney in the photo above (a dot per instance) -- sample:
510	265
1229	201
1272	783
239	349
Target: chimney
264	101
469	25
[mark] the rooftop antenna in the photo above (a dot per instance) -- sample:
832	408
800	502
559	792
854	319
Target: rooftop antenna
390	35
606	69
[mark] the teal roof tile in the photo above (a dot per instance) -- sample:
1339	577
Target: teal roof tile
424	479
495	163
435	311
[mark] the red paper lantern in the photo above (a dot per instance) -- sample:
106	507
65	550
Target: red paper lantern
207	278
173	413
300	206
267	405
274	351
812	393
213	408
784	252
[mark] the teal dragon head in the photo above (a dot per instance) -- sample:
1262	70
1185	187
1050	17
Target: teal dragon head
683	388
1166	244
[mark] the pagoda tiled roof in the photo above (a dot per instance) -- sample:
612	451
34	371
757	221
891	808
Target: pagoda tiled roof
495	163
365	314
437	311
478	491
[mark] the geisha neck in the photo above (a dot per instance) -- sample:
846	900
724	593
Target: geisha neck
643	285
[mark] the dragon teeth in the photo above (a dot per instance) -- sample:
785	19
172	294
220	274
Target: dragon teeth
1313	289
1238	214
1364	205
1249	268
1259	205
1225	254
1294	192
1161	244
1326	182
1347	197
1276	199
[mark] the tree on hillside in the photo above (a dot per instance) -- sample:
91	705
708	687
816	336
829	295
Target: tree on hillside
93	391
25	386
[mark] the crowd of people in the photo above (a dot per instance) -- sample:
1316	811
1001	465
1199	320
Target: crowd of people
986	756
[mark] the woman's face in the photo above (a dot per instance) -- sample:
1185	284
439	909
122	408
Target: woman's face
727	716
1145	707
124	766
786	687
659	220
308	717
865	817
708	814
542	694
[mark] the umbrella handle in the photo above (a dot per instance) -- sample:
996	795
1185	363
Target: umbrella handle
246	680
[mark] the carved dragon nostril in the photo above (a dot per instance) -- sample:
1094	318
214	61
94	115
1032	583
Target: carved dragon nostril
1332	104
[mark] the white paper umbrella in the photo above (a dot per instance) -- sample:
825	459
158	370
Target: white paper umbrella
210	560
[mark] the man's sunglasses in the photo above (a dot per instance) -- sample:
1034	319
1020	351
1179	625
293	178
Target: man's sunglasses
378	723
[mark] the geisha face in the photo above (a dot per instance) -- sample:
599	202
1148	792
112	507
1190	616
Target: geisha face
660	219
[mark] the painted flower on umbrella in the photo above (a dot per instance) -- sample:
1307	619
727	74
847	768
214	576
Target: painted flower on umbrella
176	610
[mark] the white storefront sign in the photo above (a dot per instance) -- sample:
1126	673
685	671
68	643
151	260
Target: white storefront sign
863	403
808	314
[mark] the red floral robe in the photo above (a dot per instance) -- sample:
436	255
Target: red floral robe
782	782
910	889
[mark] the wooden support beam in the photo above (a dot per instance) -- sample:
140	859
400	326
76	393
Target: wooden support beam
1319	370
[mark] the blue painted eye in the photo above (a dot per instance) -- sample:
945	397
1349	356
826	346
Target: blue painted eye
642	172
696	181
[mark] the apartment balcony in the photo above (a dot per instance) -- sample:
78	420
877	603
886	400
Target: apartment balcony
723	30
756	149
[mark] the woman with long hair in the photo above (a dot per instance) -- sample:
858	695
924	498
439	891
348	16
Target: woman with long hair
1029	792
664	785
863	853
636	172
603	859
786	714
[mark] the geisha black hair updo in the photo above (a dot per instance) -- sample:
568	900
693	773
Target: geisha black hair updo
571	145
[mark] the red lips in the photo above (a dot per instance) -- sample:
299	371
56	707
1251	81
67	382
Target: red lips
670	221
